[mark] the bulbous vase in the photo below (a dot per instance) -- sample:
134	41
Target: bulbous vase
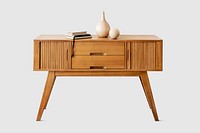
103	28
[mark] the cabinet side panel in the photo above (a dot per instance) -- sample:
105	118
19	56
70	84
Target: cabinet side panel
159	56
36	56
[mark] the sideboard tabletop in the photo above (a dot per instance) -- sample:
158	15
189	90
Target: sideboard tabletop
95	38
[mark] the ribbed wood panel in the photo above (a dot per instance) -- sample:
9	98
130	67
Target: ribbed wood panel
143	56
54	55
36	63
128	55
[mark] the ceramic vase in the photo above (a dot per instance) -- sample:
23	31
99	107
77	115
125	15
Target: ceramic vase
102	28
114	33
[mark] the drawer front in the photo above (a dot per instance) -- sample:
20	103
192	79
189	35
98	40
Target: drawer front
98	62
99	48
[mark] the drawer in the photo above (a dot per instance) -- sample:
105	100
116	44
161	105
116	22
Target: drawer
99	48
98	62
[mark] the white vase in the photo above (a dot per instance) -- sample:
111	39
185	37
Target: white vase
114	33
102	28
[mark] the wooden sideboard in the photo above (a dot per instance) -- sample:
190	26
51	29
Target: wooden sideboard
129	55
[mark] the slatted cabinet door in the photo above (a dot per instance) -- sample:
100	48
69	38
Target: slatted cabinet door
145	56
52	55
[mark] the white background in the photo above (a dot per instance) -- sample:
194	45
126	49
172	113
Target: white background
100	105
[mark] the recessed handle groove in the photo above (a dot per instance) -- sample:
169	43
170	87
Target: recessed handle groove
97	67
98	54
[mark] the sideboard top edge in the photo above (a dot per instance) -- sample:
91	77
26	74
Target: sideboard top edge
95	38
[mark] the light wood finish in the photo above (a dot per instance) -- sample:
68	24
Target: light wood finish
109	62
46	94
51	38
146	94
104	48
128	55
52	55
97	73
144	56
36	63
95	38
159	62
129	38
142	75
69	56
98	55
147	89
86	69
141	52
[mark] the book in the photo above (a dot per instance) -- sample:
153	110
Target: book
80	36
76	33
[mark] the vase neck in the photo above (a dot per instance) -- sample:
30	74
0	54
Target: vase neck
103	16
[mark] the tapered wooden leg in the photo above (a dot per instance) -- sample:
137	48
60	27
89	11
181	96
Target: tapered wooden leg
149	95
46	94
145	92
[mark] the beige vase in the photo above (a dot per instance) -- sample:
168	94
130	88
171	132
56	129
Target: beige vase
102	28
114	33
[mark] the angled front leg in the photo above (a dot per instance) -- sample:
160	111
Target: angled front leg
46	94
149	95
145	92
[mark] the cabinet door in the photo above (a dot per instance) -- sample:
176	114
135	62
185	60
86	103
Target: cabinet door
51	55
146	56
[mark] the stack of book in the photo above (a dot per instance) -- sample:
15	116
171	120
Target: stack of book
78	35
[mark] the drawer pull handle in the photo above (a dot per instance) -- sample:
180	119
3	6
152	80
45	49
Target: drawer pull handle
67	55
98	54
97	67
